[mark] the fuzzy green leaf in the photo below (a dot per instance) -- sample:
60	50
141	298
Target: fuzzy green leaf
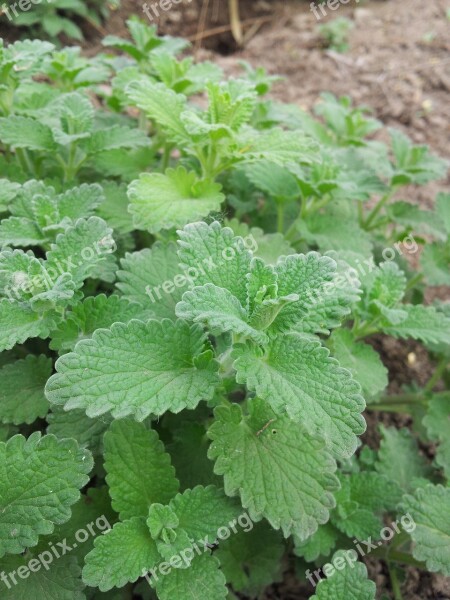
279	470
361	360
153	278
60	581
121	556
95	312
250	560
216	256
202	580
422	323
136	369
138	469
399	459
296	375
40	480
430	509
219	310
25	132
349	582
26	402
437	423
162	201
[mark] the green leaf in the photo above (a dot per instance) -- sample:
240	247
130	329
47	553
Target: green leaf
268	246
76	118
202	580
115	137
24	132
213	254
161	105
434	261
189	455
202	511
162	201
443	210
345	581
138	469
321	543
272	179
296	375
361	501
275	146
251	559
75	424
139	369
27	402
153	279
420	221
279	470
41	478
399	459
95	312
363	362
80	202
430	509
18	322
219	310
388	286
19	231
437	424
414	164
421	323
84	250
93	514
60	581
114	208
336	229
326	290
121	556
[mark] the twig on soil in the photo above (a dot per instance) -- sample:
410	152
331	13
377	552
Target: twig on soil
200	35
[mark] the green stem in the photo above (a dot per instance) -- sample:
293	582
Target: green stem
280	217
399	557
24	160
398	409
403	399
372	215
395	583
165	159
435	378
414	281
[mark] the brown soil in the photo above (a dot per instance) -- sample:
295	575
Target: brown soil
398	64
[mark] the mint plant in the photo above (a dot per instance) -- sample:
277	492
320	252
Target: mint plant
192	298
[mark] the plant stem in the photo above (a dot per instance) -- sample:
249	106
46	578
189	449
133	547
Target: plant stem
395	556
24	160
280	217
165	157
404	398
370	219
395	583
413	281
442	365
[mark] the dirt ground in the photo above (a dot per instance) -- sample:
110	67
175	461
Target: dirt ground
398	64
